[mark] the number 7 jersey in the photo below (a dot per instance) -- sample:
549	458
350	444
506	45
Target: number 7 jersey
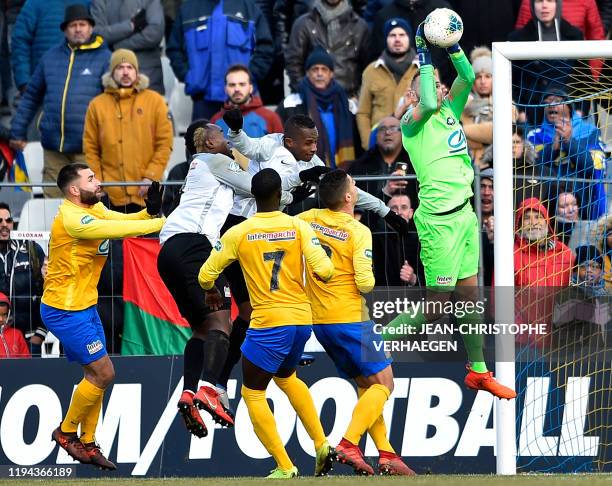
270	248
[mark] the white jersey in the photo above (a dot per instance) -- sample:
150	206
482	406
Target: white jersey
204	205
270	152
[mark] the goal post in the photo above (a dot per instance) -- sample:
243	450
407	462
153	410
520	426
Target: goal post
503	54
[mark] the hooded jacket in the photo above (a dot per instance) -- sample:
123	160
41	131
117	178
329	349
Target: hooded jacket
64	82
128	136
257	120
12	343
542	265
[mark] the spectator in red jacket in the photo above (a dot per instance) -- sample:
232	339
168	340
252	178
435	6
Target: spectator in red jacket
542	266
12	342
582	14
258	120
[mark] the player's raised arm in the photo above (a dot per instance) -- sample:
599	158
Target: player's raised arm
258	149
224	252
416	116
462	85
315	255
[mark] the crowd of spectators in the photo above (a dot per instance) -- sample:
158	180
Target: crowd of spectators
86	77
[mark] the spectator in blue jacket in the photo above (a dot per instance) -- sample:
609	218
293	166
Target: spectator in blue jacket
65	80
34	33
208	36
571	147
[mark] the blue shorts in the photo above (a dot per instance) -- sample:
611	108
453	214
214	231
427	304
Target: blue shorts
276	348
352	347
80	332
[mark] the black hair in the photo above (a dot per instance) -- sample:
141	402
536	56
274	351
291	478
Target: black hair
190	149
5	206
332	188
234	68
298	123
69	173
265	184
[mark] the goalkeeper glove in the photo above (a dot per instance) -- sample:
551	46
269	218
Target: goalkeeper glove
421	45
233	119
314	173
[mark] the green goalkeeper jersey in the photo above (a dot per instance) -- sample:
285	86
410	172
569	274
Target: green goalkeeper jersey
436	142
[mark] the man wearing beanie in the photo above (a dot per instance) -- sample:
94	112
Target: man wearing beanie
128	133
333	25
386	81
66	78
322	98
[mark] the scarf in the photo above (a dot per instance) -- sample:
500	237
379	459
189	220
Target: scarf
398	68
343	121
331	17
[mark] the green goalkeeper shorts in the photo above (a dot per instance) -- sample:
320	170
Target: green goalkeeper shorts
450	246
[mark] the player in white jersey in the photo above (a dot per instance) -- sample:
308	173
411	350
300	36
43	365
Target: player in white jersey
187	239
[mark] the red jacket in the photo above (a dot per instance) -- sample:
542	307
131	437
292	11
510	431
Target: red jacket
12	343
580	13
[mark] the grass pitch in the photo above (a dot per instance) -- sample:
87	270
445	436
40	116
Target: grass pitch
429	480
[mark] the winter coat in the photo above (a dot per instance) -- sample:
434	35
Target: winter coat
547	265
349	49
36	30
113	23
21	280
414	11
64	82
12	343
208	37
258	120
582	14
128	136
380	95
597	237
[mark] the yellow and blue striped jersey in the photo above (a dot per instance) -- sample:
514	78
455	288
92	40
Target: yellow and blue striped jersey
79	247
270	248
349	245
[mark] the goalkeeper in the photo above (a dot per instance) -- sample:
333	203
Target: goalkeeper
445	221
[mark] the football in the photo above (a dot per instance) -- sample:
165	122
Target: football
443	27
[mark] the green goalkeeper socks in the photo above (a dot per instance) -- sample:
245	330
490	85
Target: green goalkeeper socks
473	342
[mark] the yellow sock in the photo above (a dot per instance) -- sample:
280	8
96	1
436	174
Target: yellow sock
368	409
301	400
85	397
265	426
90	422
378	431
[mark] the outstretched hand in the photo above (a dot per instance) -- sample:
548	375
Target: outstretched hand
154	198
233	119
302	192
314	173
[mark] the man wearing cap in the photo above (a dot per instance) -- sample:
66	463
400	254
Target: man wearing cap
64	81
128	133
335	27
323	99
386	81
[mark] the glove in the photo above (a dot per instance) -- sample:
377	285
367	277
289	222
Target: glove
233	119
154	198
421	45
302	192
397	223
314	173
140	20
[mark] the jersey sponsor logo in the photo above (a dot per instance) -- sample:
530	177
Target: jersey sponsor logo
274	236
103	248
315	241
94	347
218	245
443	280
332	233
456	142
87	219
227	292
450	121
368	254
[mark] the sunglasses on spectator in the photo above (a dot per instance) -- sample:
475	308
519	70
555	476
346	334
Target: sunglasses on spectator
8	220
385	129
